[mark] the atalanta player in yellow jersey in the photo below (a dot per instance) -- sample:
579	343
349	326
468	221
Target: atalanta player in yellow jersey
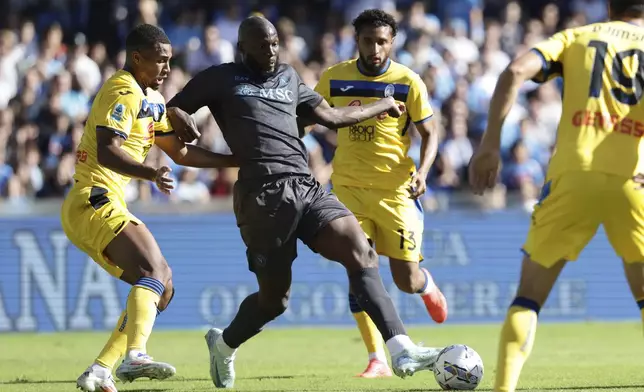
127	118
372	174
593	175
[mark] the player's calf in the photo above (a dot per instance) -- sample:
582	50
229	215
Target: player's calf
273	305
342	240
411	279
519	328
408	277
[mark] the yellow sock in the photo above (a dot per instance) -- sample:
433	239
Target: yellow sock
115	346
141	312
517	338
370	334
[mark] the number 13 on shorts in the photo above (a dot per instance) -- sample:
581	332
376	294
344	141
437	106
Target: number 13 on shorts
407	239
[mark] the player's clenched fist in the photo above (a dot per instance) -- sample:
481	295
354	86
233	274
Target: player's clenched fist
163	180
484	169
397	109
183	124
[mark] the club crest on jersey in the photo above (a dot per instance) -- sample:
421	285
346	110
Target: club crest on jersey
390	90
118	112
244	89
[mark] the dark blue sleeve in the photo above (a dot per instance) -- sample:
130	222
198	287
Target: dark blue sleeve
308	99
202	90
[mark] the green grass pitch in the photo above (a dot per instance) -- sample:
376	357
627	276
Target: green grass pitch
567	357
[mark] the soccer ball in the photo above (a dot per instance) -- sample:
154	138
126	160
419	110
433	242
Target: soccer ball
458	367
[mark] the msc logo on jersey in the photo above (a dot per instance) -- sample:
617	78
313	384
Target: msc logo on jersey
361	133
274	94
390	90
118	112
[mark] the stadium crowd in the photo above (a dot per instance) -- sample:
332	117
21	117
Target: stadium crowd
55	54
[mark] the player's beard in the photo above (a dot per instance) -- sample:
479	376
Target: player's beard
255	66
370	67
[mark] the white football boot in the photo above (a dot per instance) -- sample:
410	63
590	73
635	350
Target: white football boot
413	360
96	379
141	366
222	368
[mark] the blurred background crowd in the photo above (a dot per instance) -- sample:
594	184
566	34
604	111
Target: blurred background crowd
54	55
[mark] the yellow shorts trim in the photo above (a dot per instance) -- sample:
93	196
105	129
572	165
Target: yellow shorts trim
574	205
392	220
91	218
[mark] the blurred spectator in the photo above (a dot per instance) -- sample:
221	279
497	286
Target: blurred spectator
50	72
213	50
523	173
190	189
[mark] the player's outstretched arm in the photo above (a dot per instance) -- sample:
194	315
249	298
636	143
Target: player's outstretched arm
193	156
334	118
485	163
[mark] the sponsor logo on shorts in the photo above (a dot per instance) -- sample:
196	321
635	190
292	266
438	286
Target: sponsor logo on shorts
361	133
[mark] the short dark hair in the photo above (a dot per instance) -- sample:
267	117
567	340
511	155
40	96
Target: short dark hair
375	18
626	7
145	37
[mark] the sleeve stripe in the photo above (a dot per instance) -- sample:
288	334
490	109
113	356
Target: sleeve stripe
548	69
162	134
544	66
425	119
116	131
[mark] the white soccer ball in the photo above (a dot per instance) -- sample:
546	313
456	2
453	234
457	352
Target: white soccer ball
458	367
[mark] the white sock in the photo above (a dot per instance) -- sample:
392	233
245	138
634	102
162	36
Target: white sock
398	344
134	354
100	369
223	347
430	286
379	355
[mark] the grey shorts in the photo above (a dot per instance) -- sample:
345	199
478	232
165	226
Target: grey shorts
274	214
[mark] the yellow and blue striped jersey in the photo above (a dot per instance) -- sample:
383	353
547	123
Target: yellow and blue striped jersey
121	107
373	153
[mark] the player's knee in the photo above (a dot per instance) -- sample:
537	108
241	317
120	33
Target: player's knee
167	296
155	266
365	257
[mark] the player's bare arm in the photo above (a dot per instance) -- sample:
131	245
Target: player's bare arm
112	156
485	163
335	118
428	151
193	156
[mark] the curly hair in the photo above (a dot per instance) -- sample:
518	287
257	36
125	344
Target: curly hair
145	37
375	18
